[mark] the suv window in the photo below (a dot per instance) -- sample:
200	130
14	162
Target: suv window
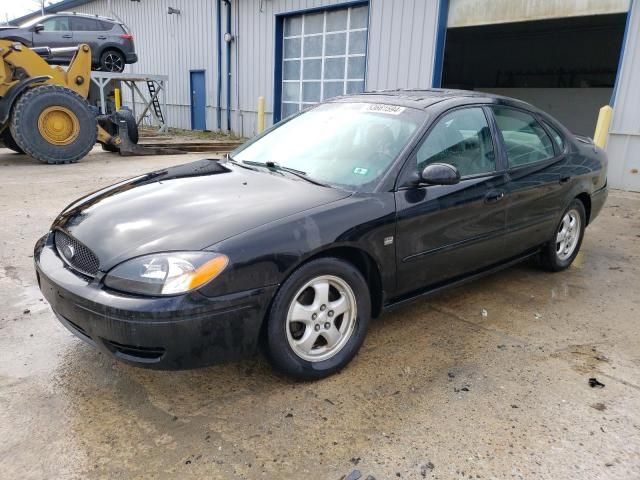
56	24
524	138
79	24
104	26
461	138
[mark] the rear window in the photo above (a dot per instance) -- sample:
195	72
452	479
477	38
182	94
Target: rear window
525	140
555	134
79	24
124	28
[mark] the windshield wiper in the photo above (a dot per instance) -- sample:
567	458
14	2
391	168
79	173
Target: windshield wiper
240	164
279	168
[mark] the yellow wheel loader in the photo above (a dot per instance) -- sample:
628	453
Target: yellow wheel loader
44	110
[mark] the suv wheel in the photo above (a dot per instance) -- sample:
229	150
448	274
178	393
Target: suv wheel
112	61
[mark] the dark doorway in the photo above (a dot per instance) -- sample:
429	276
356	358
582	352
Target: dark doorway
565	66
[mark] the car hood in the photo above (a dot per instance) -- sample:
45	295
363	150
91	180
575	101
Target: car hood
188	207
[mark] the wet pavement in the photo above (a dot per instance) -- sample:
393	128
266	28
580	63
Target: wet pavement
488	380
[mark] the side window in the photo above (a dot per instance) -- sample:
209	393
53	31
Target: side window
56	24
461	138
524	138
555	134
104	26
79	24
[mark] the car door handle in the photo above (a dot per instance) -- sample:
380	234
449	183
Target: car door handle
565	179
493	197
102	37
67	35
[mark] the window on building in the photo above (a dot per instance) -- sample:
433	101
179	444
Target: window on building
524	138
461	138
324	55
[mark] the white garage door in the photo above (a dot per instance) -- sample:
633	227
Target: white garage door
324	55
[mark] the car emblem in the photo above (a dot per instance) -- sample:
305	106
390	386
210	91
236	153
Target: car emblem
68	251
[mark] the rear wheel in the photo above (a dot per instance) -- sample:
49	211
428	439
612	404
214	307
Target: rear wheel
112	61
563	248
9	142
318	319
53	124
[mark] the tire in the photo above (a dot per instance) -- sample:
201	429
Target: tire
112	61
333	338
9	142
559	254
132	127
30	135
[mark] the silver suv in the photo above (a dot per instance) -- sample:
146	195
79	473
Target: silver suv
111	42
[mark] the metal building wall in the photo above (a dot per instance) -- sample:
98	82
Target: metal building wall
401	49
623	144
171	45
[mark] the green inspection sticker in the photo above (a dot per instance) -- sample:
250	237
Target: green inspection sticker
360	171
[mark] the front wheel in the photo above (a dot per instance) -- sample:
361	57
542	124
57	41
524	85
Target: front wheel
559	253
318	319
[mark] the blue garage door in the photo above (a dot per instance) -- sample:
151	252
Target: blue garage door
323	56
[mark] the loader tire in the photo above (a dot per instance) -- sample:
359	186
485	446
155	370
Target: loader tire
132	127
9	142
53	124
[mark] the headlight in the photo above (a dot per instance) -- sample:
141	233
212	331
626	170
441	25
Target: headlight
166	273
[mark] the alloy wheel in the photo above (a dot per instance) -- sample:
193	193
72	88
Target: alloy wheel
568	235
321	318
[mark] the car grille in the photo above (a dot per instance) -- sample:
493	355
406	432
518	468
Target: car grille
75	254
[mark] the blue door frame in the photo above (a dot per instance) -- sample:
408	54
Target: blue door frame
198	100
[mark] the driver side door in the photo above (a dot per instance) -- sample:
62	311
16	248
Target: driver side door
444	232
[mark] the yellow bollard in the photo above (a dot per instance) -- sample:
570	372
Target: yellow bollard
602	126
260	114
116	95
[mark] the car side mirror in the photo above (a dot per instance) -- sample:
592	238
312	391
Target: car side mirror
440	174
38	27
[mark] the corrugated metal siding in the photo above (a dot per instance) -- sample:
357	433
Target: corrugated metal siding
171	45
400	51
623	145
402	37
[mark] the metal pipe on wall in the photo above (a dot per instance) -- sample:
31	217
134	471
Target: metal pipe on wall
219	52
228	39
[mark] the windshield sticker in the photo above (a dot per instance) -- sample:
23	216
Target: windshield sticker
360	171
382	108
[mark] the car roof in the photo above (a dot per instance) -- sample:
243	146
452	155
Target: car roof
425	98
78	14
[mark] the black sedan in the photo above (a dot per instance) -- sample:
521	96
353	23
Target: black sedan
302	235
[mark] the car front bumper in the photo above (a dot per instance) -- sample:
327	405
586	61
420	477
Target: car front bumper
184	331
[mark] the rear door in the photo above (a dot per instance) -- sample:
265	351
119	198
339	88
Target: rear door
86	30
538	177
447	231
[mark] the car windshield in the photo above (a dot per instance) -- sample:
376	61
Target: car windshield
348	145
